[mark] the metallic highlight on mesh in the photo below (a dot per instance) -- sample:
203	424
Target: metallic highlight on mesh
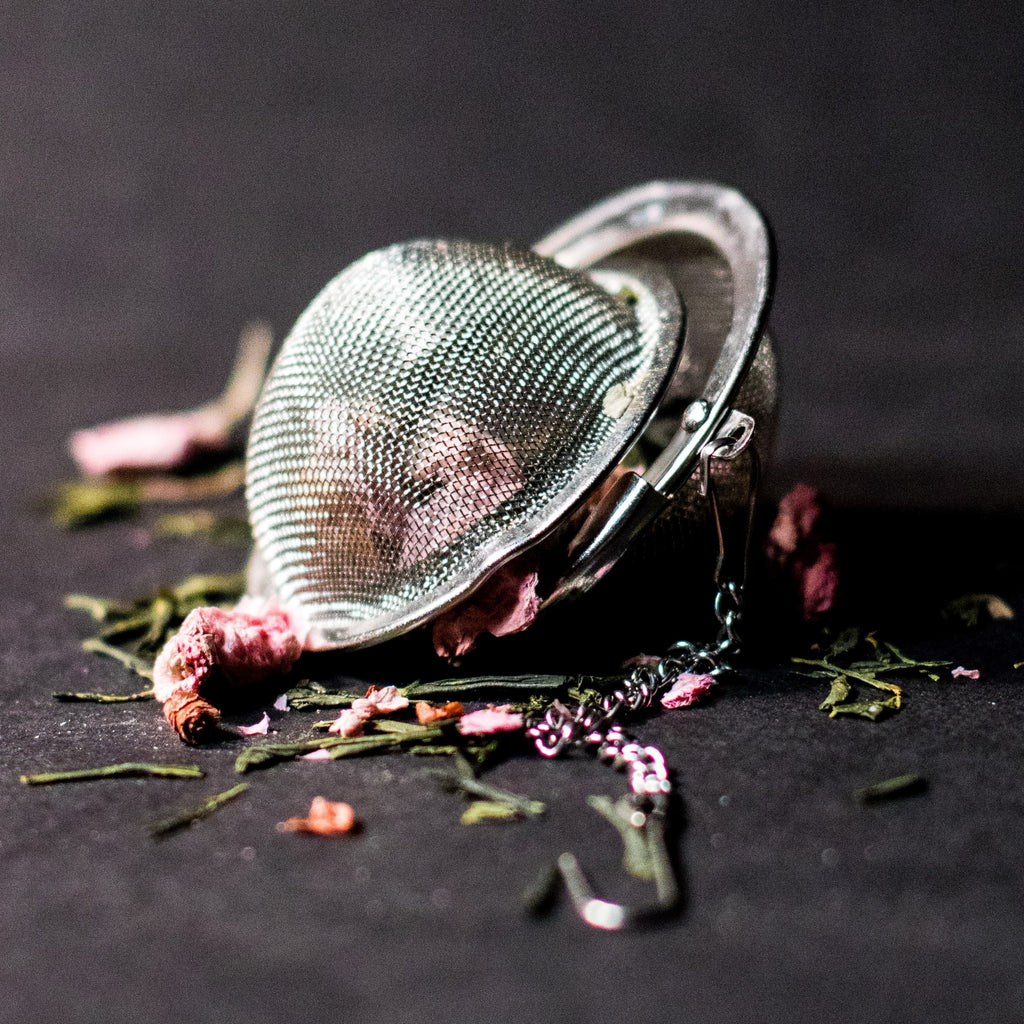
439	406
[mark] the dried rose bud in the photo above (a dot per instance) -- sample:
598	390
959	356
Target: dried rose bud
426	713
800	551
506	603
325	818
191	717
491	720
240	648
687	689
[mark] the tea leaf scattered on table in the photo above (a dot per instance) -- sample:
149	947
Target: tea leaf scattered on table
636	855
872	710
899	785
132	768
141	666
193	814
104	698
480	812
839	692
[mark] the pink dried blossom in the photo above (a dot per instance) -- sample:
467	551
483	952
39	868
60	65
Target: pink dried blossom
325	818
348	723
506	603
148	442
380	700
281	704
687	689
260	728
171	440
966	673
491	720
800	550
239	647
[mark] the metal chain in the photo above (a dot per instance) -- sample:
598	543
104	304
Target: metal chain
595	724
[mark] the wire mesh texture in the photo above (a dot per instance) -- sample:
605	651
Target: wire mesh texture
439	406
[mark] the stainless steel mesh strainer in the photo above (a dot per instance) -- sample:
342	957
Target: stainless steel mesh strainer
443	405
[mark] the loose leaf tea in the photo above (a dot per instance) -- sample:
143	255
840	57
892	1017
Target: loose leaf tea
189	817
898	786
132	768
854	656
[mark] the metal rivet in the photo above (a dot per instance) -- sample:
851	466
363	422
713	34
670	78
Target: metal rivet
696	413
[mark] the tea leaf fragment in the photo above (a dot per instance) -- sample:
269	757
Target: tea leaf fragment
189	817
898	786
132	768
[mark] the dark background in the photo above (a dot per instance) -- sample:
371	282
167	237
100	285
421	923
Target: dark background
168	172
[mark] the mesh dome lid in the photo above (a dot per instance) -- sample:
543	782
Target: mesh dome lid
439	407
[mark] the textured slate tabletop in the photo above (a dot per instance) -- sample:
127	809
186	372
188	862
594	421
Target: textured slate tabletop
166	175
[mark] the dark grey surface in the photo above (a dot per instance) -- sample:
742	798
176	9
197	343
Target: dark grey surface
167	174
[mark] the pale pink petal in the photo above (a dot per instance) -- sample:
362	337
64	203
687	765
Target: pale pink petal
687	689
281	704
259	728
349	723
966	673
380	701
506	603
242	649
316	755
490	720
149	442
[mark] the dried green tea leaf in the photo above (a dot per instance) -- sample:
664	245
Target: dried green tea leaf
521	804
914	662
207	525
99	608
405	730
83	502
847	640
193	814
103	698
971	609
486	686
900	785
872	710
636	855
539	895
483	811
134	769
839	693
141	666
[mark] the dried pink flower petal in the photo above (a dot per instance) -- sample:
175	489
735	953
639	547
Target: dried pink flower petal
800	549
687	689
325	818
171	440
506	603
966	673
316	755
380	700
491	720
148	442
238	647
348	723
260	728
